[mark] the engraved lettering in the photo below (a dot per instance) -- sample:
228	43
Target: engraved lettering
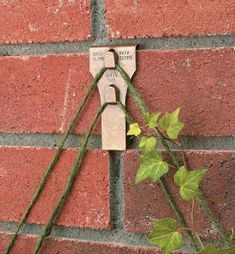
124	55
121	58
111	74
98	53
112	80
124	52
98	56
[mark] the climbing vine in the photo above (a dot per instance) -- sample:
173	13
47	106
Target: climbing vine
75	169
167	233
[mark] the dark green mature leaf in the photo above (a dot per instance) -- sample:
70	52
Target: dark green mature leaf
211	249
171	124
151	119
189	181
148	144
151	166
166	236
134	130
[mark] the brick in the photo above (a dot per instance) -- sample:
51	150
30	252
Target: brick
155	18
144	203
21	170
40	21
200	81
41	93
56	246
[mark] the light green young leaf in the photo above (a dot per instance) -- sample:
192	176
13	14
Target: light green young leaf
134	130
151	166
148	144
151	119
166	236
211	249
171	124
189	181
230	250
164	121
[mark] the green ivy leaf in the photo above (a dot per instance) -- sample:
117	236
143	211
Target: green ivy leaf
211	249
166	236
151	166
171	124
134	130
230	250
148	144
151	119
189	181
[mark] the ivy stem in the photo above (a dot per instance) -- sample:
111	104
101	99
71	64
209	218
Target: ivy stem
194	224
169	139
168	194
177	212
183	153
143	108
166	146
72	176
172	166
183	229
54	160
203	203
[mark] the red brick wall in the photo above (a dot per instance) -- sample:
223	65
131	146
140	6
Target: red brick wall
189	61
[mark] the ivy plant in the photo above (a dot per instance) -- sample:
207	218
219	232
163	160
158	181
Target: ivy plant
188	182
166	233
211	249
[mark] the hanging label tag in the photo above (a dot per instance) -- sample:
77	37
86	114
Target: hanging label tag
113	119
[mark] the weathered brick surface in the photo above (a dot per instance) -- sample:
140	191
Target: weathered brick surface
44	21
65	246
201	81
40	94
144	203
21	170
155	18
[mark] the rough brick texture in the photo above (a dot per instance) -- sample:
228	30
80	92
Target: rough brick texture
21	170
44	21
145	202
156	18
40	94
63	246
200	81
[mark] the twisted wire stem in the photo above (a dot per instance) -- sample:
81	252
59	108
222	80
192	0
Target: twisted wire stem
54	160
70	182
